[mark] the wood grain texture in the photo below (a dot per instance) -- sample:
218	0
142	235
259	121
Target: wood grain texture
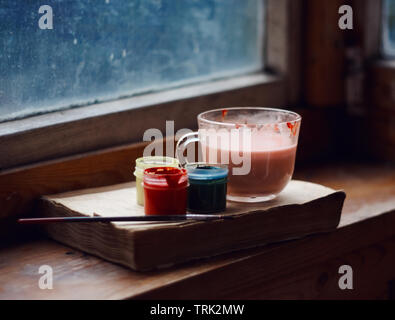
375	134
273	275
19	188
283	44
324	54
304	268
147	246
381	85
367	26
379	122
124	121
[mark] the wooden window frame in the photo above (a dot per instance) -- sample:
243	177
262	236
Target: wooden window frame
378	124
123	121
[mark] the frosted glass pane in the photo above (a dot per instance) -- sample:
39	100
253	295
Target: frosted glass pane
389	27
105	49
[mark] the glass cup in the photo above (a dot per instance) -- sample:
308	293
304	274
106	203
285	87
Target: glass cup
258	145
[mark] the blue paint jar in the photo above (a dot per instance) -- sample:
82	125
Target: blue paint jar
207	187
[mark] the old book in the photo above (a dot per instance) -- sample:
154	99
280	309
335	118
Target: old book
303	208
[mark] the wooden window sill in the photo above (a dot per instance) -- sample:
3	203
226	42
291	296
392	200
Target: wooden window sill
380	110
123	121
305	268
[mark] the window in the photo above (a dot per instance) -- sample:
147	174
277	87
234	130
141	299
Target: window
388	34
110	69
100	50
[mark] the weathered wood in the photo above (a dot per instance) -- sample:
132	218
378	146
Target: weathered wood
124	121
19	188
380	110
283	44
306	268
147	246
381	85
367	26
324	63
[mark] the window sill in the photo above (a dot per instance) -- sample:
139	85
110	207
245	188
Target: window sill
117	122
363	214
381	84
384	63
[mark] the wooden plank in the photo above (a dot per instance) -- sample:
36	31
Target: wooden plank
379	126
280	271
381	85
370	188
368	25
19	188
277	42
147	246
295	39
374	133
381	134
299	269
283	44
324	54
124	121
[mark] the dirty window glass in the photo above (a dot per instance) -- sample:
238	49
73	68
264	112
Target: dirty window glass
98	50
388	34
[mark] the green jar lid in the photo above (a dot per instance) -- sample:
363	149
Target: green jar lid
206	172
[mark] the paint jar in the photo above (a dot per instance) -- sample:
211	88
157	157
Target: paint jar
207	187
165	191
149	162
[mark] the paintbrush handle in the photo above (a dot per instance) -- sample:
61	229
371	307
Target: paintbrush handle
200	217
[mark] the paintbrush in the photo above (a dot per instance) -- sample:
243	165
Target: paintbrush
146	218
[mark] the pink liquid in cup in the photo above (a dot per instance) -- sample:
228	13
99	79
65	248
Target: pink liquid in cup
272	161
258	145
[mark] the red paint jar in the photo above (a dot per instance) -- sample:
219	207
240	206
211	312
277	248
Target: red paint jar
165	190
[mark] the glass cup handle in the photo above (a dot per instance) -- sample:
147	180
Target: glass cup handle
182	144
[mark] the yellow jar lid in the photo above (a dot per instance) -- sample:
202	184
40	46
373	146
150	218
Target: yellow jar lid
153	161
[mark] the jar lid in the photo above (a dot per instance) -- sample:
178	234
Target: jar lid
165	177
153	161
202	171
